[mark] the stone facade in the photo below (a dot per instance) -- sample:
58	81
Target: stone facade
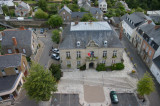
98	53
66	16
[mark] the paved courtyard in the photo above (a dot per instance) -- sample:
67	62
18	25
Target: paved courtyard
75	81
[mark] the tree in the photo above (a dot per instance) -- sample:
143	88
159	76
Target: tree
96	3
40	83
56	36
145	85
88	17
55	21
139	9
56	71
5	9
42	4
53	9
40	14
65	1
73	7
82	10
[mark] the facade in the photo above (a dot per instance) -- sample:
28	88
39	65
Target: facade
155	68
13	69
19	41
131	22
97	38
23	9
102	4
65	13
97	13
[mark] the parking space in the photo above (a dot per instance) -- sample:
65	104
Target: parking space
126	99
65	100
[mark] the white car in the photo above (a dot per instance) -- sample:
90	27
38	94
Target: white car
105	18
55	56
55	50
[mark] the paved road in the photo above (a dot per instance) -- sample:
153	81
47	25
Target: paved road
154	97
45	58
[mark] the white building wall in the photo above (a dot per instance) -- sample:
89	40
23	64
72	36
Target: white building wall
156	72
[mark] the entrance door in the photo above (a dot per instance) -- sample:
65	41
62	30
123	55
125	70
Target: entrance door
91	65
17	51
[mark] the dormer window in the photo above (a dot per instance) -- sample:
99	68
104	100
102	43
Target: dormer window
105	43
78	43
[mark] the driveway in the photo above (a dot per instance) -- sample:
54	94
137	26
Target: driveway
126	99
154	97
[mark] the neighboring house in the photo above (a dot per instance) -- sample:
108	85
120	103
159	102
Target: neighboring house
154	15
117	21
155	68
97	13
13	69
131	22
9	3
102	4
150	48
82	2
65	13
80	39
23	9
19	41
86	6
76	16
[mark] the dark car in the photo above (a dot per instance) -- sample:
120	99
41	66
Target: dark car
55	56
42	31
114	97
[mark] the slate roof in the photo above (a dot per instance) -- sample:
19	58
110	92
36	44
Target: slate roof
7	82
94	10
67	9
157	61
24	5
77	14
150	30
10	60
23	37
117	20
70	38
99	1
86	6
155	18
7	2
138	18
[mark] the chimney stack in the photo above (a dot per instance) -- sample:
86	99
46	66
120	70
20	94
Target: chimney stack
149	21
76	22
156	27
14	41
22	28
121	33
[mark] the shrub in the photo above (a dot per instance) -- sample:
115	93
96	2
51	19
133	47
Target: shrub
117	66
83	67
56	71
55	36
101	67
40	14
133	71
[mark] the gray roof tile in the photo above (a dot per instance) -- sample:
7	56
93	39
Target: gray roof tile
157	61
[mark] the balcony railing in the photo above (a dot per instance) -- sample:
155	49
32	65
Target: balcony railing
91	58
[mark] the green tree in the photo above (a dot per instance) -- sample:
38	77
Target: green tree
55	21
82	10
40	14
42	4
88	17
53	9
56	36
56	71
96	3
65	1
139	9
145	85
73	7
40	83
5	9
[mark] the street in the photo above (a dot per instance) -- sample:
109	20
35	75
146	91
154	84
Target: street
154	97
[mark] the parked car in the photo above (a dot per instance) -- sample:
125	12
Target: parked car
42	31
55	56
114	97
20	18
55	50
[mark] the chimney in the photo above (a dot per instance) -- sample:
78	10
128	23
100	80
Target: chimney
76	22
149	21
14	41
121	33
22	28
156	27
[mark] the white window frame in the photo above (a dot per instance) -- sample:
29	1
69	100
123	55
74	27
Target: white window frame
150	52
78	54
104	53
24	51
16	70
9	51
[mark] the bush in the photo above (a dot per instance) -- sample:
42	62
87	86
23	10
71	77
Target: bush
56	71
56	36
117	66
101	67
83	67
55	21
40	14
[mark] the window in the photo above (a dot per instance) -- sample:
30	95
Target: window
78	63
9	51
16	70
68	62
24	65
63	12
104	53
3	72
78	54
24	51
152	45
67	17
67	54
103	61
64	19
147	49
115	53
32	46
150	52
144	45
